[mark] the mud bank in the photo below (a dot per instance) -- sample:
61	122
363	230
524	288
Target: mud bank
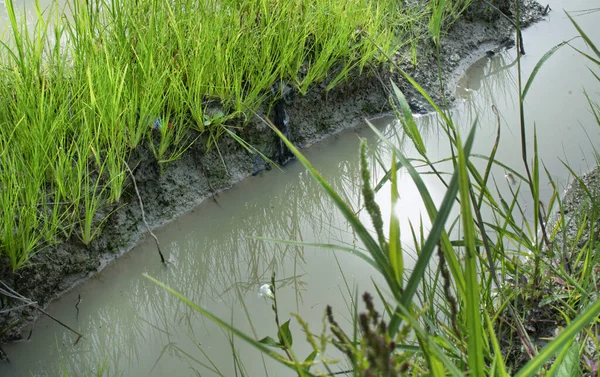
577	202
168	190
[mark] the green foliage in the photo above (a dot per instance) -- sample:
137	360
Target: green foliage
455	317
123	72
82	89
443	14
404	114
567	362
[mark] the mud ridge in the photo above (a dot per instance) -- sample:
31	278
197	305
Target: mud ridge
175	188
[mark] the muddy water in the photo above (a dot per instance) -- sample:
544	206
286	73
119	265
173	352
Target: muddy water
133	328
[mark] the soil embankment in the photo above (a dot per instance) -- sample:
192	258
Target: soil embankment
172	189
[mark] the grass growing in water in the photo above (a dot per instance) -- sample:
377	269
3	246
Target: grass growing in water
82	89
495	275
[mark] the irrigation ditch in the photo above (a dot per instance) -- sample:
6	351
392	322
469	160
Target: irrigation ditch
170	190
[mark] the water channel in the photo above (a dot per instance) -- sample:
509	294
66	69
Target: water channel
135	328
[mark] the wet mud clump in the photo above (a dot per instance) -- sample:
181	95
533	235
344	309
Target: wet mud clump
168	190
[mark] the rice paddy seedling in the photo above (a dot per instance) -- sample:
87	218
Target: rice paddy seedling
91	200
86	83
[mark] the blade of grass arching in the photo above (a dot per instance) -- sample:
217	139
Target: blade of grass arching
427	97
587	40
408	348
216	144
254	343
349	250
508	218
540	64
523	229
416	85
422	163
587	56
427	200
395	243
415	176
475	342
372	246
408	121
251	149
502	165
562	341
518	236
18	37
9	51
436	235
381	166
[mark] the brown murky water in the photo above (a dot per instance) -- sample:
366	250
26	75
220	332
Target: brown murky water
134	328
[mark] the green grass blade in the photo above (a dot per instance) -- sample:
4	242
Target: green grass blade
408	121
436	21
395	243
474	325
498	358
588	56
225	325
566	363
587	40
372	246
349	250
561	341
436	234
429	345
540	64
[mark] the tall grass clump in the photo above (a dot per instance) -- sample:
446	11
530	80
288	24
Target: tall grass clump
484	273
84	85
